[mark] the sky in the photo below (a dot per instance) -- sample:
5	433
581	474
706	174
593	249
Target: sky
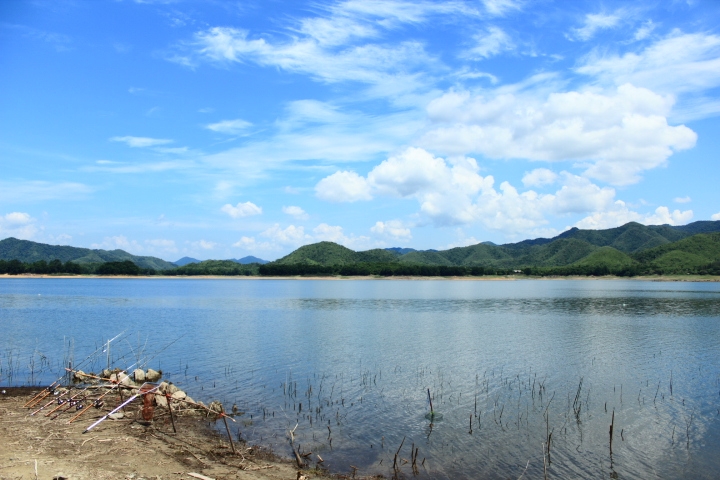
221	129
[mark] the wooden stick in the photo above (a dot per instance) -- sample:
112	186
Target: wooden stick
227	428
172	418
612	426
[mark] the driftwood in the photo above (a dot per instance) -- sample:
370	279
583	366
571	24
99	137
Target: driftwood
197	475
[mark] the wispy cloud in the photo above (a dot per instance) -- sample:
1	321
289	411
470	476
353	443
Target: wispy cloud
490	43
129	168
501	7
678	63
315	133
594	22
141	142
59	41
231	127
38	191
645	30
240	210
340	44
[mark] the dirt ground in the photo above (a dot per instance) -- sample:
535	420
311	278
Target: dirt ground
38	448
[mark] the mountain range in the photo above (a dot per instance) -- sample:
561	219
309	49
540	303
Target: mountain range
242	261
30	252
697	243
667	248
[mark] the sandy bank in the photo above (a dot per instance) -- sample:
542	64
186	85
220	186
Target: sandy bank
35	447
487	278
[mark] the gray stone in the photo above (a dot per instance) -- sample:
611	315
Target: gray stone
179	395
139	375
161	401
124	379
152	375
116	415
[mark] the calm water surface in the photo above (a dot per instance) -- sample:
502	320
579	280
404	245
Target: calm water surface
350	362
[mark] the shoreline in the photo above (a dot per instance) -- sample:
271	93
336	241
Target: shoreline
485	278
35	447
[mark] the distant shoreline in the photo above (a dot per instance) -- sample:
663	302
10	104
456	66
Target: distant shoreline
486	278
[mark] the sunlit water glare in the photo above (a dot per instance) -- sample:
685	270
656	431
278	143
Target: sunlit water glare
350	362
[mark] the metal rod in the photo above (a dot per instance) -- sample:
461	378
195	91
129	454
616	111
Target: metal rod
172	417
35	399
121	406
227	428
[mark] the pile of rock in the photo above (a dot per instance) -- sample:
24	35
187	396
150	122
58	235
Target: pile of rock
178	400
182	402
137	378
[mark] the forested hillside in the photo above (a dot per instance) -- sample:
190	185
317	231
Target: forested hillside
30	252
627	250
631	249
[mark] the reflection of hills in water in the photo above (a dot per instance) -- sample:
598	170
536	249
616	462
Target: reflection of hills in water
350	364
630	306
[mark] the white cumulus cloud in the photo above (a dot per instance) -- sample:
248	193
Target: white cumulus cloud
291	235
616	136
452	192
240	210
539	178
392	229
663	216
119	242
19	225
344	186
296	212
619	214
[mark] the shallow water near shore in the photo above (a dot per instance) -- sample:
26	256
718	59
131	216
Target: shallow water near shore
350	364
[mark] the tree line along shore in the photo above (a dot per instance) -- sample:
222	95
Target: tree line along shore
627	251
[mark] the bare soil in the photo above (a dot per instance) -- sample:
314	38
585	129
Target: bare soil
36	447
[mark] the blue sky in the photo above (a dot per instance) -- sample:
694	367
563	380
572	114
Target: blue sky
220	129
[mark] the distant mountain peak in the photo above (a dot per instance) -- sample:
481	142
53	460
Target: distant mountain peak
249	259
186	261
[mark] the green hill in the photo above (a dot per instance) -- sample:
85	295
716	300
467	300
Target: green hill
557	253
30	252
631	245
685	255
329	253
629	238
425	258
608	257
216	267
480	254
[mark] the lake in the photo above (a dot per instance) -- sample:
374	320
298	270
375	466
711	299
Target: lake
348	365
